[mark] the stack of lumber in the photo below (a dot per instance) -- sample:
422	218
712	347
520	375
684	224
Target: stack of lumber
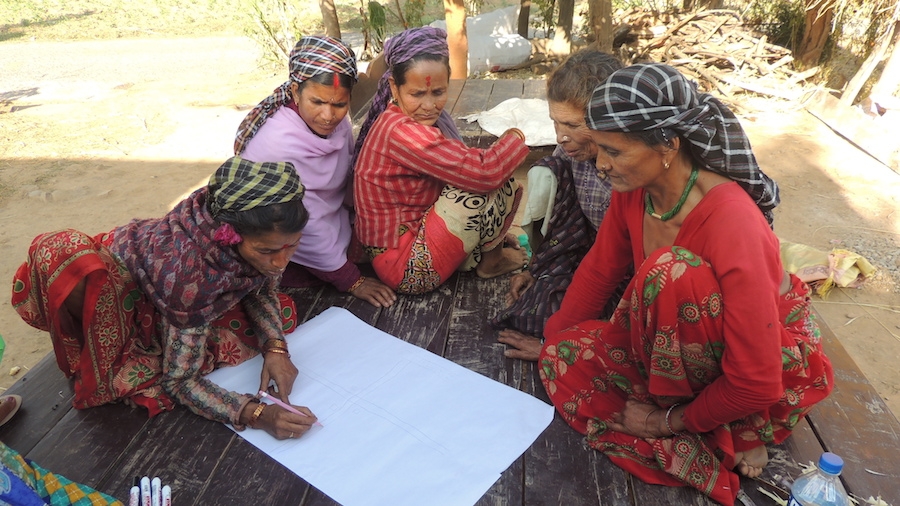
716	48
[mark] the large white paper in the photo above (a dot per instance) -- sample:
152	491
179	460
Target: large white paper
530	115
401	425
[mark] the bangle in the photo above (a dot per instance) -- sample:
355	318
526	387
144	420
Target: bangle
359	282
256	414
279	350
518	133
275	344
669	414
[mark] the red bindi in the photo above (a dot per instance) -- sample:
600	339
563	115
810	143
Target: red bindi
286	246
428	81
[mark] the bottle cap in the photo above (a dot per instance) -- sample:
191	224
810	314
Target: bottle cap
831	463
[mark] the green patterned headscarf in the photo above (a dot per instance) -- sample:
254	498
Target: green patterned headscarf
241	185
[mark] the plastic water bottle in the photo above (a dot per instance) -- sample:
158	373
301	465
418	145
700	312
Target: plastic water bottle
821	487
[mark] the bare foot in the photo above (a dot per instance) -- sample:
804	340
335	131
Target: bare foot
500	261
751	462
525	347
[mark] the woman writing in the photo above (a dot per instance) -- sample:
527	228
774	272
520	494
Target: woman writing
577	206
427	204
305	122
143	312
712	352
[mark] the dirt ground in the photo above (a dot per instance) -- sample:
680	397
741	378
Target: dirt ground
95	133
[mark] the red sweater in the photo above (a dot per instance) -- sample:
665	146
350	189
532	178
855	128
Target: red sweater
728	231
403	166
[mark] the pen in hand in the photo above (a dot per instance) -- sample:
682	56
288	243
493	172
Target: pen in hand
285	406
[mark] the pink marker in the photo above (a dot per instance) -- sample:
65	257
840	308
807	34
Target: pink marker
285	406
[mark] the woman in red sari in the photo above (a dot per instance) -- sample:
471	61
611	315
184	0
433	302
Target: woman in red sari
143	312
712	352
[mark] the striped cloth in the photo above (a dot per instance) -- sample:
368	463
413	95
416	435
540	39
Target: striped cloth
241	185
311	56
653	95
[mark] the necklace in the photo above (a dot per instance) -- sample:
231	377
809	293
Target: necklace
684	195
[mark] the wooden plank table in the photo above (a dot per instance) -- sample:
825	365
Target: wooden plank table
206	463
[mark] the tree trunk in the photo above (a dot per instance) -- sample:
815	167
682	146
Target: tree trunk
455	15
601	23
330	18
524	12
889	81
562	40
819	14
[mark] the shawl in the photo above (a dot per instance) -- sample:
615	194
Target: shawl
653	95
311	56
189	277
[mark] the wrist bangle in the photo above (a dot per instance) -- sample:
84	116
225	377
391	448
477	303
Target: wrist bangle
668	415
256	414
359	282
278	350
275	344
518	133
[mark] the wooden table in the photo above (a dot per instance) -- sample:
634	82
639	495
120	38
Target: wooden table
208	464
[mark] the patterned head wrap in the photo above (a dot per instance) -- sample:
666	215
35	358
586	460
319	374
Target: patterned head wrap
311	56
653	95
398	49
241	185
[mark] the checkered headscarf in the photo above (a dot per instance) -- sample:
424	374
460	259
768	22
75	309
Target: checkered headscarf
241	185
311	56
653	95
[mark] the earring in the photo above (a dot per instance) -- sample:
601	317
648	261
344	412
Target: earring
666	165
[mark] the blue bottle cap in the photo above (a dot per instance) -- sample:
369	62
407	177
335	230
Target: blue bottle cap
831	463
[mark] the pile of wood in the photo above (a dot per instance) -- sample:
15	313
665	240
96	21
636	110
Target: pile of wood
714	47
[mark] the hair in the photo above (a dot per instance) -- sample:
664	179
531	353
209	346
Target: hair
654	137
574	80
399	70
287	217
327	78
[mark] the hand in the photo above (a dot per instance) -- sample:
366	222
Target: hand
282	424
517	286
641	420
278	367
525	347
373	291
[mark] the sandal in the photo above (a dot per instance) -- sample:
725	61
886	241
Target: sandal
17	400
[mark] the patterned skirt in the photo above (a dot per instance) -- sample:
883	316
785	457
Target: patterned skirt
118	352
451	236
650	349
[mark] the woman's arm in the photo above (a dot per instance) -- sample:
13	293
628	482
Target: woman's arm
426	151
264	312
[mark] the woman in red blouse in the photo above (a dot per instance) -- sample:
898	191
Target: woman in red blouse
426	204
712	352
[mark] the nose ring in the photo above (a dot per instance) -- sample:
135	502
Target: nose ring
566	138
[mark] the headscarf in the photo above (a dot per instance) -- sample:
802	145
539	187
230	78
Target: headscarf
653	95
189	276
398	49
311	56
241	185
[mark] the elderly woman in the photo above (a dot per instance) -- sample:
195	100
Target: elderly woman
712	352
563	221
305	122
427	204
143	312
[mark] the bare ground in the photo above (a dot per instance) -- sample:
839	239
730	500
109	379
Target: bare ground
95	133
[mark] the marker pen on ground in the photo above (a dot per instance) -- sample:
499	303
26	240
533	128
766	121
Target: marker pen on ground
167	496
145	492
285	406
155	493
134	498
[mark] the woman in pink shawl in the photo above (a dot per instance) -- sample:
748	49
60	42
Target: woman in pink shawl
305	122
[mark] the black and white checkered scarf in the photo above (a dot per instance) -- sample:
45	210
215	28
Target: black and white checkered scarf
653	95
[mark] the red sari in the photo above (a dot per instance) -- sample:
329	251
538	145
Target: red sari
663	346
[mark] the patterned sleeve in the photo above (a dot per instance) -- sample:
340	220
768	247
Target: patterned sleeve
264	313
183	358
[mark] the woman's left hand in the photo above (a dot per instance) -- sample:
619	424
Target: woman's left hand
278	367
640	419
373	291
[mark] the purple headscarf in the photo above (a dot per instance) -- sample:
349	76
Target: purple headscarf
398	49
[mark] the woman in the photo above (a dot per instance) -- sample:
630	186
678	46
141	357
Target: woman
427	204
143	312
712	352
305	122
570	215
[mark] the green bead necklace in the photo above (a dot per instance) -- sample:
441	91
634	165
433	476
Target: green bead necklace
687	190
